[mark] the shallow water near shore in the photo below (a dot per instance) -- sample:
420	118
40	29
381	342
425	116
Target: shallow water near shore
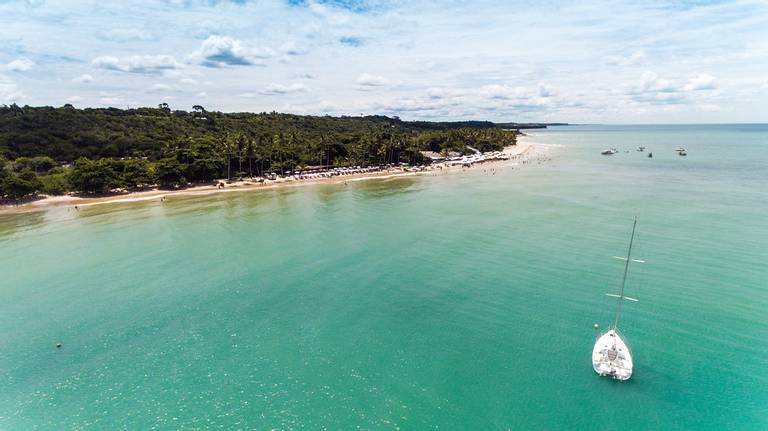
458	301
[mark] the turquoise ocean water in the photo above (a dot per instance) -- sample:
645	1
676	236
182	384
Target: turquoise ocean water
461	301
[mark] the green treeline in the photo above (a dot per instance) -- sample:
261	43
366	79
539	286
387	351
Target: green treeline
58	150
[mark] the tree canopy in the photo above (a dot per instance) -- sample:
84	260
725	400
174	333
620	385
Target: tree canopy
110	148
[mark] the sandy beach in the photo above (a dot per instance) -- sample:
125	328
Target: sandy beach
521	152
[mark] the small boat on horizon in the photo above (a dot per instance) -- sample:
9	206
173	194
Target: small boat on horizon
609	152
641	149
611	356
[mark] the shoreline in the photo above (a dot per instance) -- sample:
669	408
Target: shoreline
521	150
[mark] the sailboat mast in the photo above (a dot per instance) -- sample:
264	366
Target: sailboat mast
624	277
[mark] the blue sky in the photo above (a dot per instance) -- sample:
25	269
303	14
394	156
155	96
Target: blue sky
588	61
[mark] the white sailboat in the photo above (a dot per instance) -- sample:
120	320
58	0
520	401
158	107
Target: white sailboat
611	355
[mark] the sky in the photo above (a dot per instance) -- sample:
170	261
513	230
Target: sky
689	61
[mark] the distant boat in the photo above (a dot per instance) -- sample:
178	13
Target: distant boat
680	150
611	355
682	153
609	152
650	155
641	149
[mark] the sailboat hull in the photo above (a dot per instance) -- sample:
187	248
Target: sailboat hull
611	356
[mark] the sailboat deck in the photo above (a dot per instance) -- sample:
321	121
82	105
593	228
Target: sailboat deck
611	356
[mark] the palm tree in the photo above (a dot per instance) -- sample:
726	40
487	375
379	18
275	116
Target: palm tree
250	151
228	145
277	144
262	153
240	145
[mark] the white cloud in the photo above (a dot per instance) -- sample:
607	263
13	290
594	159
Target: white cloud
412	50
478	102
159	88
650	82
9	93
505	92
273	89
111	101
206	28
114	98
187	76
368	80
220	51
635	58
654	90
137	63
126	34
291	48
84	79
702	81
18	65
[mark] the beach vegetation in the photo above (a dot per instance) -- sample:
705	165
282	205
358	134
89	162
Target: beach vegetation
104	149
17	185
39	164
135	173
94	176
170	172
55	183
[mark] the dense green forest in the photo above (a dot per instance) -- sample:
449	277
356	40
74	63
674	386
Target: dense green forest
57	150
